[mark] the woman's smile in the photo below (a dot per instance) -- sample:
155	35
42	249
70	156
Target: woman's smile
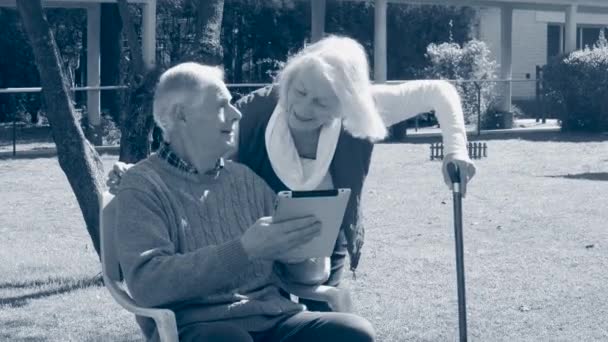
301	118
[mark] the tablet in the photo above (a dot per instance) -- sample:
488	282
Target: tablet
327	205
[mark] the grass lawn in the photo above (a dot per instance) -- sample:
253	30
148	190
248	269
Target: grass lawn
536	249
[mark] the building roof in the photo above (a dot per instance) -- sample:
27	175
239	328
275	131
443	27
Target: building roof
589	6
69	3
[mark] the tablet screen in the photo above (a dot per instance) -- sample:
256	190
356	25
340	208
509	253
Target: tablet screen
327	205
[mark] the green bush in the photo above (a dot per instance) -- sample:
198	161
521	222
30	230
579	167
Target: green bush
576	89
472	61
110	132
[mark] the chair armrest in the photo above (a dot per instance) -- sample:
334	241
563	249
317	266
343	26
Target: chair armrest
166	324
338	299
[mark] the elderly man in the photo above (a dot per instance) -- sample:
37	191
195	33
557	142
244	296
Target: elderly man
195	233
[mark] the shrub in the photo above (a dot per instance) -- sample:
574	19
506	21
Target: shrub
110	132
472	61
576	89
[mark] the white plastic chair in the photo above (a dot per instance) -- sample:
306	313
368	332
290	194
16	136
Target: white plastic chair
164	318
338	299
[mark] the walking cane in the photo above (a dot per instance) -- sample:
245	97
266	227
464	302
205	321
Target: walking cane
454	173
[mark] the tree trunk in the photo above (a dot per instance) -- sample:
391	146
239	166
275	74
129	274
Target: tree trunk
136	120
110	46
135	48
207	47
77	158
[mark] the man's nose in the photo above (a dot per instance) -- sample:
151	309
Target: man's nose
234	114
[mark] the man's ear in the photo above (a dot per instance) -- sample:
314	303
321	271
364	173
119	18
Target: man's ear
180	112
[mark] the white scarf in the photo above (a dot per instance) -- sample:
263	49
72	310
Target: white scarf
286	161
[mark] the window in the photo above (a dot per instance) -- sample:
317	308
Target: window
555	40
585	36
588	35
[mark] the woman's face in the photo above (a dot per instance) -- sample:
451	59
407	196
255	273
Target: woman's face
311	101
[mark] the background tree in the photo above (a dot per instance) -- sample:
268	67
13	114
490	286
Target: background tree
77	158
256	37
111	48
136	121
411	28
207	47
17	68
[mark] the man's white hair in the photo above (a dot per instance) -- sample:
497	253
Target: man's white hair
175	90
343	62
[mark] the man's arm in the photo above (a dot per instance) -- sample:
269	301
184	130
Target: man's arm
156	275
399	102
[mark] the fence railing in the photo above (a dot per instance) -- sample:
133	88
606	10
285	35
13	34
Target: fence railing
39	89
477	82
21	90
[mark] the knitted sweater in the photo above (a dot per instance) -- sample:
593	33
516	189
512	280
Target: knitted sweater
177	239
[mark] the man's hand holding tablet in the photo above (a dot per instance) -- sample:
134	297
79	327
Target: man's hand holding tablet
271	240
328	206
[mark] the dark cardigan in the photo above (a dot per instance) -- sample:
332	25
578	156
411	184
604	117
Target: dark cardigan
348	168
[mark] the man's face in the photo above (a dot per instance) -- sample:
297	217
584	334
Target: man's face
210	125
311	101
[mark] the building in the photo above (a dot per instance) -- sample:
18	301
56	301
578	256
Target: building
537	36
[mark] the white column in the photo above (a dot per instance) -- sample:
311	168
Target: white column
571	28
561	40
149	33
93	69
506	55
380	41
317	20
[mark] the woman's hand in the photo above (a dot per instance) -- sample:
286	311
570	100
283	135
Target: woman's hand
466	167
115	176
272	241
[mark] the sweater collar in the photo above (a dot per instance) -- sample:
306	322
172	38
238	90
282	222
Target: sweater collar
166	153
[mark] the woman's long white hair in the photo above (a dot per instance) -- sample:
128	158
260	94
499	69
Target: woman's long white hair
343	62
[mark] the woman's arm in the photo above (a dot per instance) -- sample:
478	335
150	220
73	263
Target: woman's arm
399	102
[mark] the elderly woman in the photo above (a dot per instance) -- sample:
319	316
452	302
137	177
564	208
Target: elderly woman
195	233
316	130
